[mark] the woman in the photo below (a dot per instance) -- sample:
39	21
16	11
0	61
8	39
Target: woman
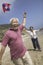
34	38
13	39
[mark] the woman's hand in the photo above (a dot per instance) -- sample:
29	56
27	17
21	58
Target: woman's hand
25	14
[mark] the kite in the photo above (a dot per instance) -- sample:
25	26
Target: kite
6	7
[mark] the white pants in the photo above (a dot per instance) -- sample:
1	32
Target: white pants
25	60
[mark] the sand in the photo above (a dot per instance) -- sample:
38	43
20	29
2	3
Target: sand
37	56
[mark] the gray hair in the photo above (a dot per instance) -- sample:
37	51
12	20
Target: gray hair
13	19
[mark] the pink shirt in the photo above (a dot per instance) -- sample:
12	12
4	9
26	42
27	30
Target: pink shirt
15	43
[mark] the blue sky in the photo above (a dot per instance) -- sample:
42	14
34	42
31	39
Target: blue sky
34	9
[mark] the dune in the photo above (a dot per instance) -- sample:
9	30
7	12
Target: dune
37	56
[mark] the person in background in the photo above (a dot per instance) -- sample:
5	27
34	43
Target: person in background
13	39
34	38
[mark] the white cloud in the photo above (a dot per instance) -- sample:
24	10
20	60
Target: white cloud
4	1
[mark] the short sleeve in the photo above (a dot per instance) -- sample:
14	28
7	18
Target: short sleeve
21	27
27	31
5	40
36	30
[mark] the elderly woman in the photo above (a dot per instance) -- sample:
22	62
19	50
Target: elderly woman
13	38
